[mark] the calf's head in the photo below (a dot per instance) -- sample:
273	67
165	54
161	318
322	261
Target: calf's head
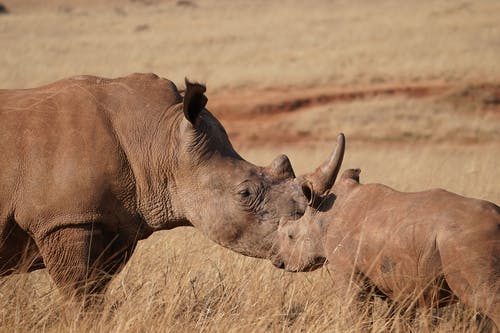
233	202
299	245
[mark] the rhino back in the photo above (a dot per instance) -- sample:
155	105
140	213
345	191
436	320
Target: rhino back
394	236
66	148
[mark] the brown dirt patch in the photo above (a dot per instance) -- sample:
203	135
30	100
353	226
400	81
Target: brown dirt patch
263	117
260	103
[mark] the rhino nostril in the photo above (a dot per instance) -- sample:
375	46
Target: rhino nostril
298	214
290	236
280	265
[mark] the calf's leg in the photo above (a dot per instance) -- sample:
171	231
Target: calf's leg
472	272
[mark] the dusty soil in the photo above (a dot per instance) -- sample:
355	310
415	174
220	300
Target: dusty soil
267	117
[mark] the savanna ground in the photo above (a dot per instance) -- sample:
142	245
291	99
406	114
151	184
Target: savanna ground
415	86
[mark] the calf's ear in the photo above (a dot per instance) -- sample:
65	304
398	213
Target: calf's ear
351	174
194	100
308	191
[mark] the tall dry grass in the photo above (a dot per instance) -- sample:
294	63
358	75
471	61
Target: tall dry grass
171	287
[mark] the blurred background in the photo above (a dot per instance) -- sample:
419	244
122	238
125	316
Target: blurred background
414	85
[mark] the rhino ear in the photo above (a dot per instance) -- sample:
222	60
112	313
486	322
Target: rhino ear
308	191
351	174
194	100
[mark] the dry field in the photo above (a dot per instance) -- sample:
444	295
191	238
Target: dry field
415	86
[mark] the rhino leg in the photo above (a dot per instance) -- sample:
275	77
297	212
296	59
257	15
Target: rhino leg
18	250
82	259
476	295
352	287
473	277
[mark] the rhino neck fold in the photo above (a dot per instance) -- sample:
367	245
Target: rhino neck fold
146	121
154	172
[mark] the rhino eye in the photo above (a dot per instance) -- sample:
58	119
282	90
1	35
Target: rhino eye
250	194
244	193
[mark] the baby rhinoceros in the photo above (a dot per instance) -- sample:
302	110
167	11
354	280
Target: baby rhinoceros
428	248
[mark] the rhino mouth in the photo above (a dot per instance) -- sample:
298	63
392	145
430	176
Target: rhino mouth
278	262
318	262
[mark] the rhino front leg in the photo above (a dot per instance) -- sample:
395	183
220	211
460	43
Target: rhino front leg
81	259
351	289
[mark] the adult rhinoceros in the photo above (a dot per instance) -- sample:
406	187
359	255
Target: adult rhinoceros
89	166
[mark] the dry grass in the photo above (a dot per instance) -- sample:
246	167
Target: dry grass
177	281
254	43
180	289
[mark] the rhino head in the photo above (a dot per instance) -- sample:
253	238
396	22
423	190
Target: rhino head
299	242
233	202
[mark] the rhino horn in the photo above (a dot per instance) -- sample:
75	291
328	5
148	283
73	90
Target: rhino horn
281	167
323	178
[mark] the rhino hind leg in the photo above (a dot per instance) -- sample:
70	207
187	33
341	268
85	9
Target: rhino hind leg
82	259
474	279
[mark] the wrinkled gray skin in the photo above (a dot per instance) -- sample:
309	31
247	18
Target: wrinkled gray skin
434	245
89	166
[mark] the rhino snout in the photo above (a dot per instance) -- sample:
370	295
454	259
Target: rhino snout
278	263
